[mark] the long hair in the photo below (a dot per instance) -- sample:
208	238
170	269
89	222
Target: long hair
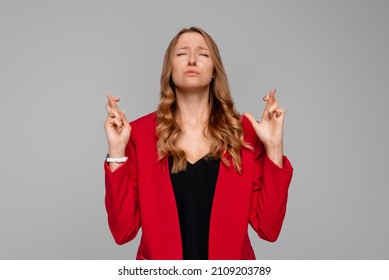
224	124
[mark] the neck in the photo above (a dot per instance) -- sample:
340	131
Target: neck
193	107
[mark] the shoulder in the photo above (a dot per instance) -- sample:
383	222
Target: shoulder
144	125
249	134
149	119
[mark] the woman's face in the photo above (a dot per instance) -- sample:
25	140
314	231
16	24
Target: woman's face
192	63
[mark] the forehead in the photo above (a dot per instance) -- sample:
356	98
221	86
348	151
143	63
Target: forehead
191	39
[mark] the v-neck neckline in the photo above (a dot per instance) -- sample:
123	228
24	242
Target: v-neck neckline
197	161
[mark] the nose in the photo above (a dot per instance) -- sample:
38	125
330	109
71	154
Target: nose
192	60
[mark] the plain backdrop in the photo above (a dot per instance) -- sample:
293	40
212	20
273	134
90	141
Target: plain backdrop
328	61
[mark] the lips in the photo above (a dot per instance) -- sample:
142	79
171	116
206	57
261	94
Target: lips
192	73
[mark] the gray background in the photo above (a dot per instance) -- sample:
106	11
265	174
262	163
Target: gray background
328	60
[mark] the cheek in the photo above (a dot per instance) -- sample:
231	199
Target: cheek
175	69
209	66
175	75
178	65
210	69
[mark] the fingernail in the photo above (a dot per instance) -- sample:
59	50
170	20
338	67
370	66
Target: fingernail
264	98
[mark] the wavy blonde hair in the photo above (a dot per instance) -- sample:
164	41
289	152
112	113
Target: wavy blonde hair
224	123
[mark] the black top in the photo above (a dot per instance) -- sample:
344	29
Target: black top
194	189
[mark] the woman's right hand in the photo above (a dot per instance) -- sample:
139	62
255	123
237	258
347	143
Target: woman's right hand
117	128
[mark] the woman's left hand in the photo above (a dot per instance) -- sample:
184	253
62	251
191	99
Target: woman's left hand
270	128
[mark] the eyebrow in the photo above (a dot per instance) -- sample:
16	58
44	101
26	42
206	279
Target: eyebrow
199	47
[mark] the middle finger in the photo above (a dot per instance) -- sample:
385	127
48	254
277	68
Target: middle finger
112	101
112	108
274	105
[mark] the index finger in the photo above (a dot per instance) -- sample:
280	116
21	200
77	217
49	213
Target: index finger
112	101
270	98
110	97
270	95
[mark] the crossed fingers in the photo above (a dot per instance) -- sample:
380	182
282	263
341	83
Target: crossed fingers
271	108
113	111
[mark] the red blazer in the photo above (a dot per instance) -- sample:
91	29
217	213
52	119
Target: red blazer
139	193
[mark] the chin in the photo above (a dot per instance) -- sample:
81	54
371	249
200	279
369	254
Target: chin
192	88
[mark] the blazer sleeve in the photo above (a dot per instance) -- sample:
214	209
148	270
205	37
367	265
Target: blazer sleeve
121	198
269	194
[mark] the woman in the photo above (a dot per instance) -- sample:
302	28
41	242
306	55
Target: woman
195	173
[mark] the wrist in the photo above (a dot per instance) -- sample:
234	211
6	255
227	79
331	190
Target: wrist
275	153
274	148
117	152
